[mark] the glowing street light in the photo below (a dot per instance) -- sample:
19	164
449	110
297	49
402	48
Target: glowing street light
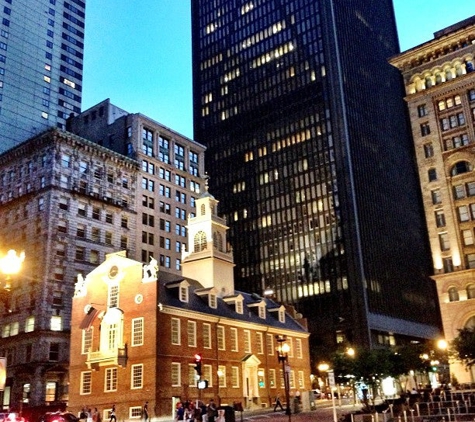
11	262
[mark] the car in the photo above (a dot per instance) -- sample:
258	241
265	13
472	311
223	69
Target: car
317	394
58	417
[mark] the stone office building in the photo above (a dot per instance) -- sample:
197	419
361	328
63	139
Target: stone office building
440	94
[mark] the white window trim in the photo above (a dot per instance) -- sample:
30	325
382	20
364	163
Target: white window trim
138	365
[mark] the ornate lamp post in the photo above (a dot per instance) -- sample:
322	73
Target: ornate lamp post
283	349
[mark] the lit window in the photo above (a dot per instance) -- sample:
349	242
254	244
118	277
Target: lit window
56	323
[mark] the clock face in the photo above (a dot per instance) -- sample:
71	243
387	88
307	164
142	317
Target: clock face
113	271
138	298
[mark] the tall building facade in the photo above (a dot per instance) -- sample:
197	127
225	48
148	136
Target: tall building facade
309	147
169	182
439	77
41	66
51	209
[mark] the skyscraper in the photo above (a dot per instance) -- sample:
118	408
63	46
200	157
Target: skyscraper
309	151
440	94
41	63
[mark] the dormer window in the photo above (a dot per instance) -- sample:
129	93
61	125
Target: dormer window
236	301
212	301
282	316
184	293
239	307
262	312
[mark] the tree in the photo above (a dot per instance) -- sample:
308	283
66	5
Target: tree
463	347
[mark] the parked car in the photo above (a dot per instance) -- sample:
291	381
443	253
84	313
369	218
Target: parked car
58	417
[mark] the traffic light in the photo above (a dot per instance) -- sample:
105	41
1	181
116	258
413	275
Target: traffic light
198	360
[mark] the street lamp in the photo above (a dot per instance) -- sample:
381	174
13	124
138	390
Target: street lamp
283	356
11	264
324	367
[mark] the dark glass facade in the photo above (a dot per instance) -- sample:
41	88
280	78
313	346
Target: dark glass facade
310	155
41	66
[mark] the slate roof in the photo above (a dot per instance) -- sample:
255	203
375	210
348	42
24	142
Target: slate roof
169	297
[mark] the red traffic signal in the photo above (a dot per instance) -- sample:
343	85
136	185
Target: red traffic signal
198	360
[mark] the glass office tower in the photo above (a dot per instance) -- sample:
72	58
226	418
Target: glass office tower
310	155
41	64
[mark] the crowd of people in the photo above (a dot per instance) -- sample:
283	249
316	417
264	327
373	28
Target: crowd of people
198	411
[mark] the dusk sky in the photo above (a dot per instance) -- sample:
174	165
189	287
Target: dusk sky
138	53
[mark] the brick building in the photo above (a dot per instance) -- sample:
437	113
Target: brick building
440	93
136	328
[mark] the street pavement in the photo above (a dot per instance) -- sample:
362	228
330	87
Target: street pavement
323	413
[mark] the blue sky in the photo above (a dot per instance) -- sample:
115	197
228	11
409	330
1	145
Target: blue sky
138	53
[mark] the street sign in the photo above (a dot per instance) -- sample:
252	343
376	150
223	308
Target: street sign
331	379
287	368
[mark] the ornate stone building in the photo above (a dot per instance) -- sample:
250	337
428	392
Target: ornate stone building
440	93
135	331
65	202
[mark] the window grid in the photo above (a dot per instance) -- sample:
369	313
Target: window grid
191	331
137	376
175	374
175	331
110	379
137	331
220	334
86	382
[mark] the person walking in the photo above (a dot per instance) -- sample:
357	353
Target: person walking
278	403
211	411
112	414
145	414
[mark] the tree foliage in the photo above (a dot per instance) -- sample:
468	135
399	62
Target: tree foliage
463	347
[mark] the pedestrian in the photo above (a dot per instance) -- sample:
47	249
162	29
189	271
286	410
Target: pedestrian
180	412
278	403
112	414
211	411
145	412
95	415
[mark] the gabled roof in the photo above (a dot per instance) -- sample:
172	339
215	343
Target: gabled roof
168	297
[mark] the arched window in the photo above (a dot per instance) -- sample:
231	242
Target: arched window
460	168
453	294
203	209
471	291
470	323
200	241
218	241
